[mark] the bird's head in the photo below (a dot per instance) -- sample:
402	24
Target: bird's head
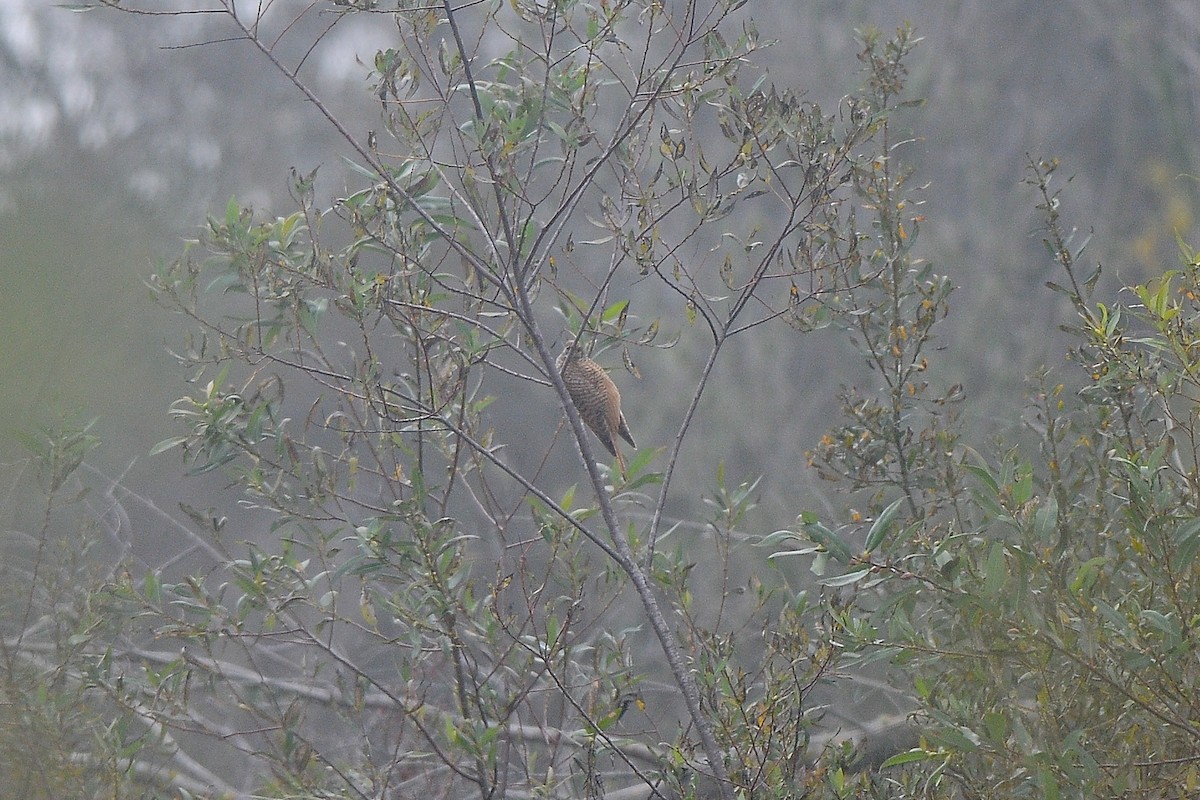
570	352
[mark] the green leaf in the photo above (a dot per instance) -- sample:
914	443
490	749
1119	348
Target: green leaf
1023	487
1049	784
369	174
1187	543
837	779
985	477
233	212
1088	572
450	731
311	312
223	283
847	579
882	524
167	444
829	540
1116	618
916	754
152	587
956	738
995	572
614	311
805	551
1160	621
1045	520
642	458
560	132
996	725
359	563
775	537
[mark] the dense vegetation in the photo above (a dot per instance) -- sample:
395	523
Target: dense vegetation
433	583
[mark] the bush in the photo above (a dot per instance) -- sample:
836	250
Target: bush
437	606
432	609
1043	598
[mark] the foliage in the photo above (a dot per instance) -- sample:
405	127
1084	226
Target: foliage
433	609
1043	599
433	606
58	736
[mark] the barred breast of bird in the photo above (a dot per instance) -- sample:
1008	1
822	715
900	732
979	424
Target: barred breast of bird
597	400
595	397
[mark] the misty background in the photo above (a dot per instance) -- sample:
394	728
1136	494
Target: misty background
119	133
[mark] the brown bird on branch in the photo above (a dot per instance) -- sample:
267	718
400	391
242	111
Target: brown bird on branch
596	399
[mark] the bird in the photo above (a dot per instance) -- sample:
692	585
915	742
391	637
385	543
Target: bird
596	398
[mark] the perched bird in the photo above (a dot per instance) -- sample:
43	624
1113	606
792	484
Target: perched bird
596	399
